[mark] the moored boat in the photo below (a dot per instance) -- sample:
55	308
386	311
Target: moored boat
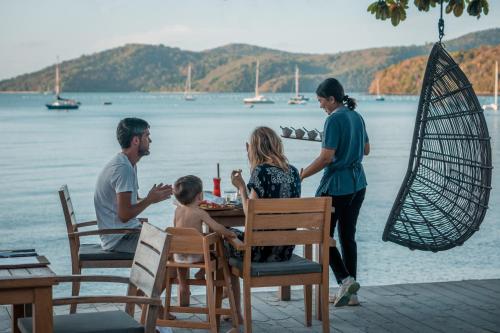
257	99
61	103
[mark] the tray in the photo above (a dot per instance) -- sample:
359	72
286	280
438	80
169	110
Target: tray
303	139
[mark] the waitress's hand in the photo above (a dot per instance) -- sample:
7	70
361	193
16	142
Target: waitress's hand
237	179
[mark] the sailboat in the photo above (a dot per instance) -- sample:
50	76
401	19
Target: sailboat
297	99
61	103
494	106
257	99
187	91
379	97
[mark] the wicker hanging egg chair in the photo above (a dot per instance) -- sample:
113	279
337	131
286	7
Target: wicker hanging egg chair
445	193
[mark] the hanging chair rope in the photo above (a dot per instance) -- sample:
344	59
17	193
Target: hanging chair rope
444	196
441	24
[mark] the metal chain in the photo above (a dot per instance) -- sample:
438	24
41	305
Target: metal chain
441	24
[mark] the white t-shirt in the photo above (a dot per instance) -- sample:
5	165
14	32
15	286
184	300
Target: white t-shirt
118	176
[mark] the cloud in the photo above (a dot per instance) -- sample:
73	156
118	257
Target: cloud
165	35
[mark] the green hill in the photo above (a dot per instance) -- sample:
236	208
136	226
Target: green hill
229	68
406	77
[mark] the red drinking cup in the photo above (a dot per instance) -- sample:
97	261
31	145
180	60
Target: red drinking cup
216	191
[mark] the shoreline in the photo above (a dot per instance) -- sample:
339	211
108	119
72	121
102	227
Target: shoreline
15	92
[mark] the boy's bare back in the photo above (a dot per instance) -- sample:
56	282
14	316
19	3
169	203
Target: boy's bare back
188	217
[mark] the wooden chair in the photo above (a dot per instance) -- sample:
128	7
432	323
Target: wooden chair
272	222
89	255
146	276
217	275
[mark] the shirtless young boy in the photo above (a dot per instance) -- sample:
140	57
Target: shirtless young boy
188	192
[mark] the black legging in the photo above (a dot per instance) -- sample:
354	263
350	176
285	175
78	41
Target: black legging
346	214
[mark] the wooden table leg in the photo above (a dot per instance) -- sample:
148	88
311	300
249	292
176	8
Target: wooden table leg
17	312
284	293
42	312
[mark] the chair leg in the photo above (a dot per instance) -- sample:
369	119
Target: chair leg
168	294
325	315
211	299
308	304
230	295
247	299
218	296
75	290
226	274
130	307
184	299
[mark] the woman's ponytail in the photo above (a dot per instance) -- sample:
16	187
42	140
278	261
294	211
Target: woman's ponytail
349	102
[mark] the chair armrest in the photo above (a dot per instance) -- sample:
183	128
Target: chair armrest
92	278
84	224
236	243
104	232
107	299
142	219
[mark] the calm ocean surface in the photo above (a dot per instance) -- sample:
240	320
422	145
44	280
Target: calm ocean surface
43	149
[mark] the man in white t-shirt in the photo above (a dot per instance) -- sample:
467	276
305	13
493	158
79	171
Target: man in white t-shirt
116	198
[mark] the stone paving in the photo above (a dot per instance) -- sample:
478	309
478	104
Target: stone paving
461	306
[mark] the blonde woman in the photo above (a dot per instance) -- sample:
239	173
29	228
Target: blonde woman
270	177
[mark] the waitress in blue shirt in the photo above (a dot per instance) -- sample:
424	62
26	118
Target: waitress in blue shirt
344	144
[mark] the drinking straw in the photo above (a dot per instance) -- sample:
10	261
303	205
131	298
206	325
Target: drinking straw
218	173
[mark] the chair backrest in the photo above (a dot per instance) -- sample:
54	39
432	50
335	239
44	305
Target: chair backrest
67	206
272	222
71	225
148	268
185	240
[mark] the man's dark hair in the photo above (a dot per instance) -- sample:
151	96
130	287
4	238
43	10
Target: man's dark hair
187	188
128	128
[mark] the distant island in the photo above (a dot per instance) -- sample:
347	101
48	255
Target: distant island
406	77
231	68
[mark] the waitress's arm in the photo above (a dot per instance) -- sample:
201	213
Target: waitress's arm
325	157
367	149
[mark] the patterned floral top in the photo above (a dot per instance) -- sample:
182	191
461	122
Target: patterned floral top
269	181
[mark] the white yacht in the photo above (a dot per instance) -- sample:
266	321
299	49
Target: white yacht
297	99
257	99
494	106
187	91
379	97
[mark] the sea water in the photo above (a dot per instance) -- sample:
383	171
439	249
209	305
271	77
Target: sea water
41	150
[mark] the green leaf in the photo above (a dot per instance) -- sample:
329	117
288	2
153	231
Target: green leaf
458	10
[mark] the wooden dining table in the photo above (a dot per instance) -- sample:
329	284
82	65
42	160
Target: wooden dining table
24	282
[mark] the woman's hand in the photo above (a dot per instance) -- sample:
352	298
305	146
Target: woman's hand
301	174
237	179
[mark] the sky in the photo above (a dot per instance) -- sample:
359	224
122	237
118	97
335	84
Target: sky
33	33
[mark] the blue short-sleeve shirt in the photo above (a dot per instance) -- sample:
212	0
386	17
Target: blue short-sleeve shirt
345	132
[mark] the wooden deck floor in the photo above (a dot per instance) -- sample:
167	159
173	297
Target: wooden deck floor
462	306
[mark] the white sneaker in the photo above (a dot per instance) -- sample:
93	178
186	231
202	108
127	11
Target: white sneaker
353	301
348	287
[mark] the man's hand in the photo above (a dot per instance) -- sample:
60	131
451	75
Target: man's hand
159	193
